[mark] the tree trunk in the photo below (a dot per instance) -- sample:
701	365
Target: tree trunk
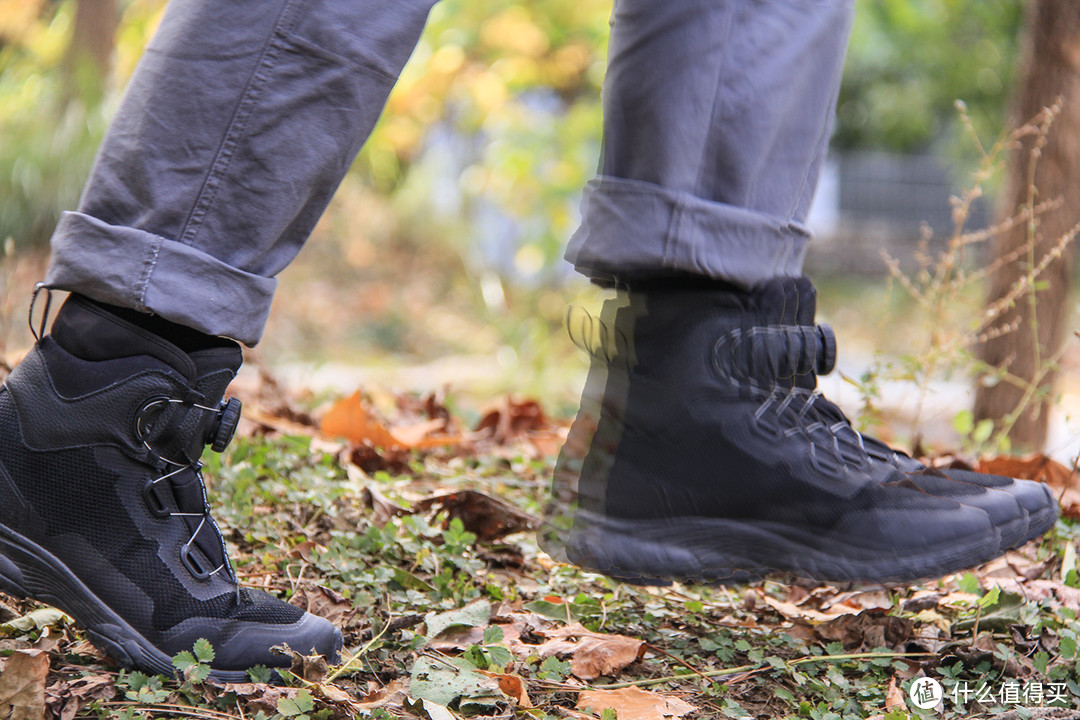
1049	74
88	58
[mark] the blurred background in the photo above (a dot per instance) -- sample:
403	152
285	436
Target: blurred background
440	263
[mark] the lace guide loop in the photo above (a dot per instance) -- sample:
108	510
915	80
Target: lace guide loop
39	332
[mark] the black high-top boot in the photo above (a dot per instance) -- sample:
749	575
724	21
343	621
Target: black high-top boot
700	454
102	508
1021	510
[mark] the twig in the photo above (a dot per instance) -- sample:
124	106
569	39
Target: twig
358	654
669	678
760	666
182	710
679	660
398	623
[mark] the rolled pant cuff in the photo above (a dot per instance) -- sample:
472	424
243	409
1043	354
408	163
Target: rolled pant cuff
135	269
630	228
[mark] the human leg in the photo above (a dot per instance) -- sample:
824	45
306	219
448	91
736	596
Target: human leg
702	449
239	122
233	134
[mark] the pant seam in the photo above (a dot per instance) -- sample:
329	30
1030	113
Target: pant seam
143	283
671	238
256	83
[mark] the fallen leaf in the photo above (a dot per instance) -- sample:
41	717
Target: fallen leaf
510	419
323	602
443	683
513	687
894	698
869	629
350	419
335	694
810	615
282	425
429	710
36	620
635	704
66	698
591	654
475	614
1033	467
260	695
312	668
22	685
384	509
393	693
489	518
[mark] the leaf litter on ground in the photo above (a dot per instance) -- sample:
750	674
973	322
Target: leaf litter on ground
414	536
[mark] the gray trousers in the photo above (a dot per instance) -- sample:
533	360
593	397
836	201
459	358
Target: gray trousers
243	116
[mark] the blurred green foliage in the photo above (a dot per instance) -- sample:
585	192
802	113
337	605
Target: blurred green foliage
52	117
495	124
908	63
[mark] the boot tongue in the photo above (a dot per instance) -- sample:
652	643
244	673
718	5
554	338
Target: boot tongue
215	368
89	331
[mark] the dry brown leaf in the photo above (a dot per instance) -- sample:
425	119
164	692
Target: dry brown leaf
894	698
635	704
509	419
870	629
591	654
858	600
1033	467
573	714
22	685
460	638
323	602
488	517
66	698
1070	503
335	694
312	668
391	694
414	435
809	615
384	508
282	425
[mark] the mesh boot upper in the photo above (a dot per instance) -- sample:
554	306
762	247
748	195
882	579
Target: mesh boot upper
76	462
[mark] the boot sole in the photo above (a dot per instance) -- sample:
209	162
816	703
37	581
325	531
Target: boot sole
734	552
29	570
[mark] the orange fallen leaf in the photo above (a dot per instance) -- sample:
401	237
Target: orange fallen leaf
350	419
513	687
635	704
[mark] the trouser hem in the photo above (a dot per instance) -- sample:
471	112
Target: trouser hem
140	270
632	228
